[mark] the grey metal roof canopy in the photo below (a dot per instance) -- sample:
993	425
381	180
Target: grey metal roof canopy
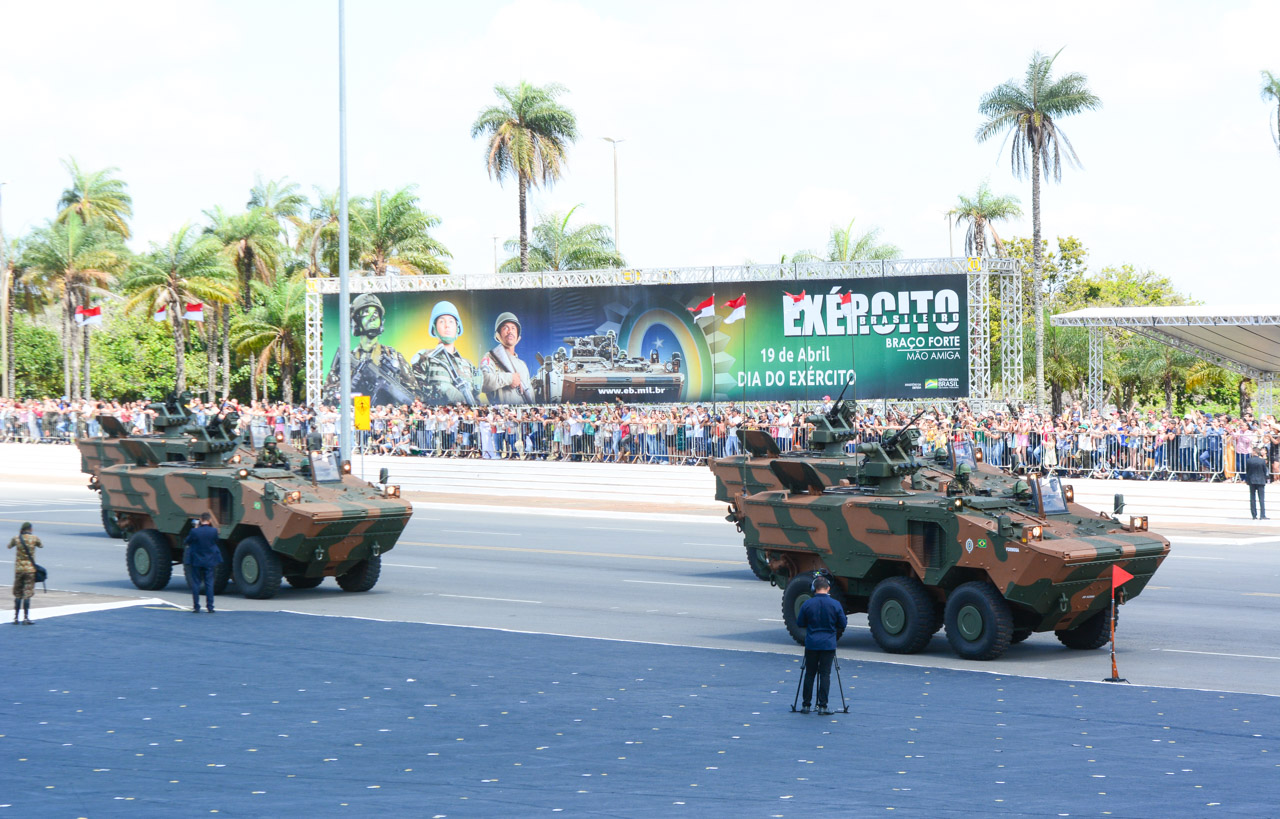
1240	338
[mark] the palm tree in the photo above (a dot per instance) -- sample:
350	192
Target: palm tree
96	196
1030	112
274	328
527	137
1271	93
279	198
847	246
389	230
320	235
187	268
77	261
556	246
980	212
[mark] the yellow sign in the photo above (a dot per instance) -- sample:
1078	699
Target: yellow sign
362	411
975	264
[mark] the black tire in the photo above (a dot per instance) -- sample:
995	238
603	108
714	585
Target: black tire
256	568
301	581
902	615
979	623
1092	633
110	526
221	576
363	577
150	560
759	563
798	591
1019	635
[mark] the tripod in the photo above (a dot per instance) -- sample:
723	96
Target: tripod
844	706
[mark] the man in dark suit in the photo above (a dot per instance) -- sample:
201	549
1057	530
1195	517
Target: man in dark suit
203	556
1255	471
824	621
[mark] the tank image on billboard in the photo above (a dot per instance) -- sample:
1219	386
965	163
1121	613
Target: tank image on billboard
905	336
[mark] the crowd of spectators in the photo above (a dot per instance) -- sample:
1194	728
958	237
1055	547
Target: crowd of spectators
1132	444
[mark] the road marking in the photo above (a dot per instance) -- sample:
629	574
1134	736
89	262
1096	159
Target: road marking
731	545
415	566
666	583
93	508
53	522
620	529
1195	557
769	620
1225	539
478	532
1260	594
494	599
568	552
1217	654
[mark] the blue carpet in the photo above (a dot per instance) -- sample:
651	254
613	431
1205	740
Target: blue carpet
160	712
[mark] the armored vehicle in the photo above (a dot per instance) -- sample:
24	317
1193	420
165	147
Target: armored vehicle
594	368
924	544
280	512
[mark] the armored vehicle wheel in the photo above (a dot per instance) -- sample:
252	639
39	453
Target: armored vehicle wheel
902	615
363	577
221	576
301	581
1092	633
256	568
150	560
798	591
979	623
109	524
1020	634
759	563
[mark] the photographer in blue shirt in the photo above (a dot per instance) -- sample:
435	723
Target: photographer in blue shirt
823	620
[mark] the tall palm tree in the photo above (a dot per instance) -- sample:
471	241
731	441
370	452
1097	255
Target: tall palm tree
1271	93
847	246
556	246
1030	111
78	261
275	328
96	196
389	230
319	235
281	199
528	133
188	267
980	213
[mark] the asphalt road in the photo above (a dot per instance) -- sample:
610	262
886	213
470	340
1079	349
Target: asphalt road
1208	620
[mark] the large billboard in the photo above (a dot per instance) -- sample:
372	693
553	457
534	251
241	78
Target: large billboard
904	336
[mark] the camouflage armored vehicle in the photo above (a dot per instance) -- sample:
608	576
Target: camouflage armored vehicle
280	512
922	545
595	369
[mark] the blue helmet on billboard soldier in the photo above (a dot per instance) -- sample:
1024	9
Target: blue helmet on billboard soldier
377	370
506	377
444	375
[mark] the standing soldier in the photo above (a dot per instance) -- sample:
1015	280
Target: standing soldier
506	377
24	572
387	377
445	377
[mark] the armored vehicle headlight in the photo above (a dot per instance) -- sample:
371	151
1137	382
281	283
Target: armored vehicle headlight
391	491
957	503
243	473
1070	492
1037	532
235	459
293	497
279	437
346	467
1138	524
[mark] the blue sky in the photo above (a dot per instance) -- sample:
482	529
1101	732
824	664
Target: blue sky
750	128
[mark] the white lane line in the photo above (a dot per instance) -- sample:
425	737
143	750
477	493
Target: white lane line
416	566
24	511
730	545
494	599
769	620
1260	594
1217	654
478	532
1226	539
665	583
619	529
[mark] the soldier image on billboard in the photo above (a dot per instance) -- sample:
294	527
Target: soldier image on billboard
506	377
377	370
444	376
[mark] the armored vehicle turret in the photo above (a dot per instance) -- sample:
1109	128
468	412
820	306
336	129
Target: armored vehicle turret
923	544
280	512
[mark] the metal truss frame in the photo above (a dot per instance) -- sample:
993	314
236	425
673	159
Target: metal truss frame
979	272
1097	344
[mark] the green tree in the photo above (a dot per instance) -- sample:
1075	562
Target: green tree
980	213
39	369
1057	269
389	230
133	359
187	268
77	261
847	246
1271	93
96	196
556	246
275	328
1030	111
319	236
527	136
281	199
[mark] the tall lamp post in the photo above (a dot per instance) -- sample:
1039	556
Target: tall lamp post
5	387
616	243
346	411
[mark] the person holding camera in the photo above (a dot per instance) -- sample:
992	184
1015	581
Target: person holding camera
24	573
202	557
823	620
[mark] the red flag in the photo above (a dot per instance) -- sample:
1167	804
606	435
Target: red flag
194	311
88	315
794	298
1119	577
846	298
705	309
739	308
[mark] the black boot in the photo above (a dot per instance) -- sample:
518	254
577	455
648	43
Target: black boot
26	613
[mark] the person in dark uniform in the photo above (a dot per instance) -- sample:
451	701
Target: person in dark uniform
823	620
24	573
202	557
1255	471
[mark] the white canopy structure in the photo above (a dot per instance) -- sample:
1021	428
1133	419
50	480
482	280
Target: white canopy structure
1241	338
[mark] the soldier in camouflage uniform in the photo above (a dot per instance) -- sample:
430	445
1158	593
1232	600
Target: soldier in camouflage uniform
367	322
444	376
24	572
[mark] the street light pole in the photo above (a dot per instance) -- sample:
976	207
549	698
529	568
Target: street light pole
615	142
344	274
5	387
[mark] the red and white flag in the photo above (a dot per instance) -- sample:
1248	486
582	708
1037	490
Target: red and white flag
846	298
195	311
739	308
88	315
706	309
794	298
161	314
